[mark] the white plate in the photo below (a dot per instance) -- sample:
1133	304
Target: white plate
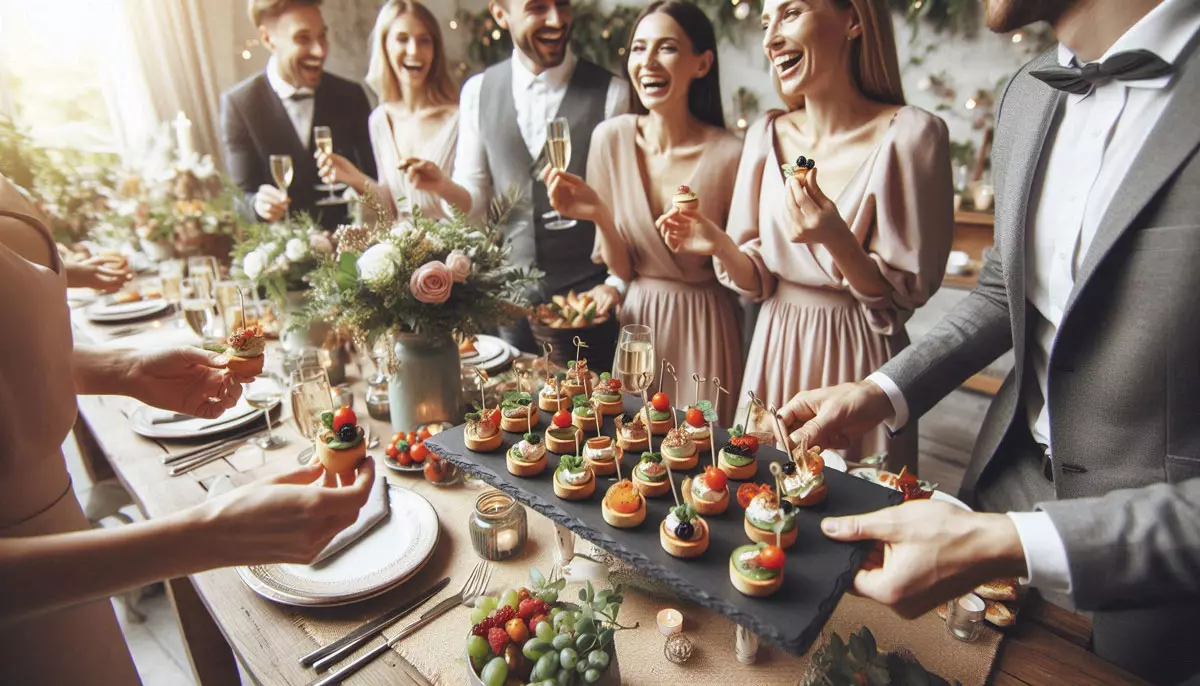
386	556
234	418
126	312
871	474
487	348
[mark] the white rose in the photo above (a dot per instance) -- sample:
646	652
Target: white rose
378	264
296	250
253	264
402	229
269	248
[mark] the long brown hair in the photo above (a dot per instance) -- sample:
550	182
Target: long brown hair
442	88
874	64
704	95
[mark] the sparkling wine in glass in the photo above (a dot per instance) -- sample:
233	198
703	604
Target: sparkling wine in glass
311	397
199	306
558	153
323	139
281	171
264	393
634	362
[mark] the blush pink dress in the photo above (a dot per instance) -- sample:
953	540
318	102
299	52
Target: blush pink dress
440	150
814	330
695	320
81	644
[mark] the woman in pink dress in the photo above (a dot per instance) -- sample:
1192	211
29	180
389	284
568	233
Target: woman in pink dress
414	130
840	263
636	165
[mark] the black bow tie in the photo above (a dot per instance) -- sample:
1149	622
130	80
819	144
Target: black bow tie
1131	65
301	95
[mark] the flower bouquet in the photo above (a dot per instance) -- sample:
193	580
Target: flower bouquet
279	257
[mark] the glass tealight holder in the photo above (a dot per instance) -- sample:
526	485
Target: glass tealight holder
964	620
498	525
379	405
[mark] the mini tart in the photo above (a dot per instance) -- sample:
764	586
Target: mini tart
526	469
745	473
815	497
342	461
622	520
573	388
554	404
703	506
651	489
657	427
483	445
610	408
633	446
570	492
582	422
786	539
753	587
519	425
682	462
245	366
604	467
703	444
560	445
684	549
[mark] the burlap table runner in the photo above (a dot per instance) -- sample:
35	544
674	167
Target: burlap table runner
437	651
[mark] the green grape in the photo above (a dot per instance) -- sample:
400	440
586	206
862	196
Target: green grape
591	676
559	621
477	646
565	678
511	599
488	603
585	642
546	667
561	641
582	666
599	659
478	663
545	631
555	611
535	649
495	672
568	658
478	615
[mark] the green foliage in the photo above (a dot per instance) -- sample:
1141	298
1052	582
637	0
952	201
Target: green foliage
571	463
580	400
339	295
532	439
957	17
651	458
684	512
515	399
706	407
838	663
327	420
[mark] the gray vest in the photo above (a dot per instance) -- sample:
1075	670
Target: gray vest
564	256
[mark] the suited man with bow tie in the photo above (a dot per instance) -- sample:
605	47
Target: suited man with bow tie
1091	448
274	112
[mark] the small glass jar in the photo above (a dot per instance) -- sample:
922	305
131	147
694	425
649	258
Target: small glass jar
498	526
378	404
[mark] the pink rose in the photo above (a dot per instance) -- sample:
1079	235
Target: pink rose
320	243
459	265
431	283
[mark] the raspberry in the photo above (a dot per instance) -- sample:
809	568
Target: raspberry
480	630
527	609
501	616
497	638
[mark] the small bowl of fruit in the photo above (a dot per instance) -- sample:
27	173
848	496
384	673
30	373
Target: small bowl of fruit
528	636
407	452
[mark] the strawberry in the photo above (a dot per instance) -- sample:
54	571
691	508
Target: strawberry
497	638
504	614
527	608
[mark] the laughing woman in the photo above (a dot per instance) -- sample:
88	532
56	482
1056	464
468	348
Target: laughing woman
840	263
414	130
636	165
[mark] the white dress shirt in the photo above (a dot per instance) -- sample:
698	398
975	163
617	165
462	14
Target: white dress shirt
1085	160
537	97
298	102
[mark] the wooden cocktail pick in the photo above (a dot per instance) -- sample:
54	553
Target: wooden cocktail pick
700	380
481	379
674	391
671	479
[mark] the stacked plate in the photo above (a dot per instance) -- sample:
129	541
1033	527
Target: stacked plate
490	353
386	556
154	423
108	312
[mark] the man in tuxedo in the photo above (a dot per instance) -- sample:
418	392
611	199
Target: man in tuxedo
501	141
1092	445
273	113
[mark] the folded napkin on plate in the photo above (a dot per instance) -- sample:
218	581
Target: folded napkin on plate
375	511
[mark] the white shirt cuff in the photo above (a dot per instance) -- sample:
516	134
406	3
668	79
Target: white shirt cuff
617	283
899	404
1045	553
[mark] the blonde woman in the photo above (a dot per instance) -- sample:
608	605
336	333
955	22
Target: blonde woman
841	258
415	127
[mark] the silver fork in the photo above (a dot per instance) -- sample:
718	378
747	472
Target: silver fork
475	586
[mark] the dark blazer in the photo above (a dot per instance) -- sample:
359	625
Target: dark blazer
255	125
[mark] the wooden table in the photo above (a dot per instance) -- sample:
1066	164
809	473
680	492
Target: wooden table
220	617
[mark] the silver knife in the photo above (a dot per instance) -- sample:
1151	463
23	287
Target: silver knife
180	417
409	629
323	658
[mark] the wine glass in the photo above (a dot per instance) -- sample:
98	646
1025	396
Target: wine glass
558	152
311	397
199	306
323	139
264	393
633	365
282	171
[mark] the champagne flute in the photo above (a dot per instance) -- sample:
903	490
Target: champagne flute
633	365
199	306
282	171
264	393
171	273
311	397
323	139
558	152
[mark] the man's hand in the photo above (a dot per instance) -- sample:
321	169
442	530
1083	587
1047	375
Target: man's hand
271	203
105	273
930	552
836	416
334	168
187	380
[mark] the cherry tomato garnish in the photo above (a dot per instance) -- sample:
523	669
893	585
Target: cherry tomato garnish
562	419
746	493
391	451
492	416
423	433
660	402
418	452
343	416
404	459
411	437
715	478
771	557
695	417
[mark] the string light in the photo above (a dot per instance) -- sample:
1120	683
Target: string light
1018	37
740	12
743	124
245	54
453	25
247	47
495	34
918	4
971	103
736	2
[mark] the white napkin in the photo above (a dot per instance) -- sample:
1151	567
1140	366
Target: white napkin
375	511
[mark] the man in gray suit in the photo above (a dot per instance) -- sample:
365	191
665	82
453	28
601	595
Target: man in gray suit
1092	445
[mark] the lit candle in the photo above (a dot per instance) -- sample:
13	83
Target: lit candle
183	136
670	621
506	540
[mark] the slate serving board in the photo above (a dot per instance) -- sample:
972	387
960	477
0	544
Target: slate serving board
817	572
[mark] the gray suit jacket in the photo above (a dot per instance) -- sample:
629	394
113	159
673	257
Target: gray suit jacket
1124	380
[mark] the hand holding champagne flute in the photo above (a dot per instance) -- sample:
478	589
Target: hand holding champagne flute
558	153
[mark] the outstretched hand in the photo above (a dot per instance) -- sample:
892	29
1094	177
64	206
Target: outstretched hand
187	380
835	416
